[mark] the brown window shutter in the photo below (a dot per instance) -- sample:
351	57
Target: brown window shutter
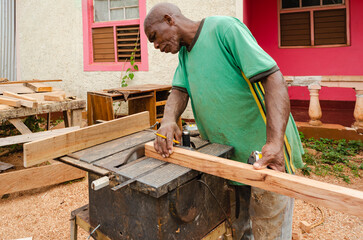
330	27
295	29
128	37
103	44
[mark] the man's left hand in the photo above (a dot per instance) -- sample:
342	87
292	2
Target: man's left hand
272	156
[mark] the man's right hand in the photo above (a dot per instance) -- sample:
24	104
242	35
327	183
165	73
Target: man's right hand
165	146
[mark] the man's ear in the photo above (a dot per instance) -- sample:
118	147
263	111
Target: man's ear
169	20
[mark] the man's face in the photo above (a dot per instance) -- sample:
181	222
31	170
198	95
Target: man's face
164	37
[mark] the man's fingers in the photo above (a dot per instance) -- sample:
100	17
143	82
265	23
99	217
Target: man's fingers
169	142
262	163
156	146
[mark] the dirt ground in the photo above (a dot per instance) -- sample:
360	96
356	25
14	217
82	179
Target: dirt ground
44	213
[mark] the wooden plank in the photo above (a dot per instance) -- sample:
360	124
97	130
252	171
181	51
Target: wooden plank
10	101
39	87
85	137
5	166
19	96
15	88
31	81
34	136
328	195
54	97
25	103
18	123
28	104
76	117
37	177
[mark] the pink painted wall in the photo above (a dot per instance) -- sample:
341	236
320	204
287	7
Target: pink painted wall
326	93
261	18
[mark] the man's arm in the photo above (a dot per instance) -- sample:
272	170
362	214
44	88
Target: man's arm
175	106
277	115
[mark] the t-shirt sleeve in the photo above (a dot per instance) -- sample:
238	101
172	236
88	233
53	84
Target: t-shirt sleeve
254	62
180	80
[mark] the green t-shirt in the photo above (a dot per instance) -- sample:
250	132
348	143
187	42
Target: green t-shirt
221	72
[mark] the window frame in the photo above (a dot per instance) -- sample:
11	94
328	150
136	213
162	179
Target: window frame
312	9
89	24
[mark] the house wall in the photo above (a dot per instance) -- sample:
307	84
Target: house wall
262	19
50	45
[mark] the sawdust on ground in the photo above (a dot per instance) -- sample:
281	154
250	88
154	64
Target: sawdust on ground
44	213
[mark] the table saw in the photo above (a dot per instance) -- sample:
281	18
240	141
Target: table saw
161	201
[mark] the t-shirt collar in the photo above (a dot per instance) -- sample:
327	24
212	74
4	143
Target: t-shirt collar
196	36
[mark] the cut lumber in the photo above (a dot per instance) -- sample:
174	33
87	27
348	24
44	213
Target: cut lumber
15	88
10	101
23	102
5	166
324	194
34	136
18	124
39	87
30	81
18	96
37	177
305	226
54	97
83	138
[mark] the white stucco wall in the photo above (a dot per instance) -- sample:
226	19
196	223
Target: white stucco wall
50	45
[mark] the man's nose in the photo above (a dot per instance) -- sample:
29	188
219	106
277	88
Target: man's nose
156	45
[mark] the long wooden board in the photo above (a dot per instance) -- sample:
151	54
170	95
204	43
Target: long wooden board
39	87
19	96
324	194
9	101
36	177
42	150
34	136
31	81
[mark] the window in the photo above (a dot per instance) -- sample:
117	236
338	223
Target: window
112	31
313	23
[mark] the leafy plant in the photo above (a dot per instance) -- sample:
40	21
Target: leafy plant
33	123
129	73
333	157
306	170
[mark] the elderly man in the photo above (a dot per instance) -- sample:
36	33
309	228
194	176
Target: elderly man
239	98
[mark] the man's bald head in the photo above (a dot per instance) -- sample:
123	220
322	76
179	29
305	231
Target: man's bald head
157	13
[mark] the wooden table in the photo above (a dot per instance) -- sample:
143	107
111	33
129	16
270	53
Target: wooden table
147	97
72	109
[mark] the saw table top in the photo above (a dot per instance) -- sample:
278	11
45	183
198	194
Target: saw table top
153	177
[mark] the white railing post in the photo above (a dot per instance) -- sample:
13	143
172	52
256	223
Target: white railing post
314	106
358	111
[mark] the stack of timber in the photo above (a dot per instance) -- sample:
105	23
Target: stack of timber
21	99
28	93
